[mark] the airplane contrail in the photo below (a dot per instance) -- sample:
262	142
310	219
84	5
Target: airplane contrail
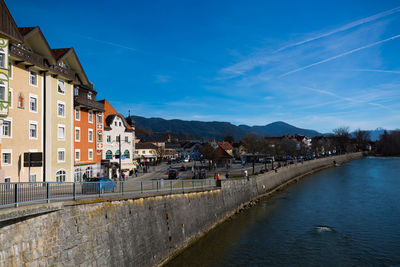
340	55
345	27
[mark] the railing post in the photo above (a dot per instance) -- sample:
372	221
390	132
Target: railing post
157	185
16	195
183	188
74	190
122	184
170	183
48	192
141	187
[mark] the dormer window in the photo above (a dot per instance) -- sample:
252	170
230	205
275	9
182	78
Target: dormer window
61	86
76	91
2	58
89	96
62	64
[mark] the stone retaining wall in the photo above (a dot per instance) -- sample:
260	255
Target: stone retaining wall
134	232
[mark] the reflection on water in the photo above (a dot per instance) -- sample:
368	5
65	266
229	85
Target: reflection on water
345	216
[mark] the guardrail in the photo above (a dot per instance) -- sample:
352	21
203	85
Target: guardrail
13	194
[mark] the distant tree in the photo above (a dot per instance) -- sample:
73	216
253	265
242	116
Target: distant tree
362	138
342	138
229	138
288	146
252	144
208	153
389	144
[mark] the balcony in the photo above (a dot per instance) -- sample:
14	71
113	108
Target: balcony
39	61
82	101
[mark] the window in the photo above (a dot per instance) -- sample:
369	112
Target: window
60	176
127	154
2	90
33	103
7	128
90	116
89	96
89	172
117	138
61	155
127	139
99	118
33	130
33	78
77	134
61	132
99	136
76	91
61	109
6	157
90	135
150	152
77	154
32	178
2	58
10	70
10	97
78	175
61	86
90	154
120	124
109	154
117	154
109	139
77	114
116	124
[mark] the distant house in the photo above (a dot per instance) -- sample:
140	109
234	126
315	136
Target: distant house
146	152
222	158
227	147
171	151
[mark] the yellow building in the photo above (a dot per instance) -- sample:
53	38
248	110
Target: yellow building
9	33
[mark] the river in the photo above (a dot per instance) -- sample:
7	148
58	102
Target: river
344	216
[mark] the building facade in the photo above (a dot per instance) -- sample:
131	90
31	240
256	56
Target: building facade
88	133
118	142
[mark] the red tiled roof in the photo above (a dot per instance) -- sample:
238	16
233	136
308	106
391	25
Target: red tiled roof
225	145
109	110
59	52
222	154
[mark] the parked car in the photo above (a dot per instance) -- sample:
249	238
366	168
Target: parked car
173	174
98	185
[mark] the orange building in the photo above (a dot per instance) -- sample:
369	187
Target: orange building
88	133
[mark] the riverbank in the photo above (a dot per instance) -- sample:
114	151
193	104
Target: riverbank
132	231
241	193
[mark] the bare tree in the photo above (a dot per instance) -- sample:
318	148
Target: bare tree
342	138
253	145
362	138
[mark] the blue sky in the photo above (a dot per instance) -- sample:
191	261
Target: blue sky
313	64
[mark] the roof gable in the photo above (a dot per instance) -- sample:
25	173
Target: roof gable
35	40
8	27
69	57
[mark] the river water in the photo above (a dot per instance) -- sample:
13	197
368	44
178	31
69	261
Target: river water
344	216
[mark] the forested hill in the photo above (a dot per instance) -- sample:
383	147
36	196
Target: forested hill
218	129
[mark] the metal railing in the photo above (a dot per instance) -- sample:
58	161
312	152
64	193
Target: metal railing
13	194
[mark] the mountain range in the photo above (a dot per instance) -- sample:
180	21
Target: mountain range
217	129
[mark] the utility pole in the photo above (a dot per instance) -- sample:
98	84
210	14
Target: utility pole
120	154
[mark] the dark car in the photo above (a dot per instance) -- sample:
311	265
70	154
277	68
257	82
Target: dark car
173	174
98	185
183	168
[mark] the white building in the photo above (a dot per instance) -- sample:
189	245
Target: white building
118	142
